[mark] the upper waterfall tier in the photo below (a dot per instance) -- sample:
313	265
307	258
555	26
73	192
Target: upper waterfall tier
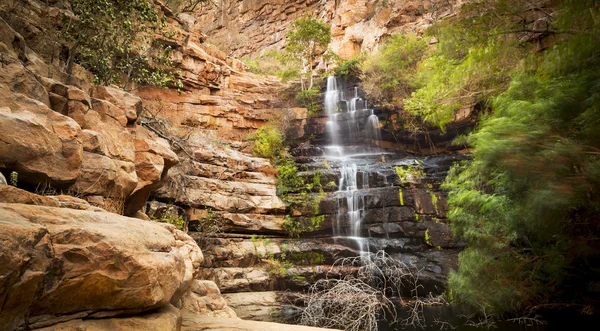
350	122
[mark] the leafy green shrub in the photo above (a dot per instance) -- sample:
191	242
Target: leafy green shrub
349	68
268	142
288	179
311	100
386	76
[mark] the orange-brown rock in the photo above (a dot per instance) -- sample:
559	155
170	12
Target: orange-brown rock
38	143
166	318
105	176
204	298
153	159
194	322
68	264
356	25
129	103
11	194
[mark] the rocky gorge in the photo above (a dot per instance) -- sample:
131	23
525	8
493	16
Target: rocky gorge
94	165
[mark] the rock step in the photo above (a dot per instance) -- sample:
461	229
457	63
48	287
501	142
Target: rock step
194	322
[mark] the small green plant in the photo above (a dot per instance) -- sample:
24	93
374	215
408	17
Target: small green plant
331	185
14	178
306	258
279	268
268	142
311	100
411	170
434	201
349	68
401	195
427	238
171	216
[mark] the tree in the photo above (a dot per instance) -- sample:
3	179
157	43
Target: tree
187	6
305	41
115	40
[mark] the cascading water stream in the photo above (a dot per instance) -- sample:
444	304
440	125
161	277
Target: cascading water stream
351	202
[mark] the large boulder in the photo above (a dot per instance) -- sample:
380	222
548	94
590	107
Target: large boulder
38	143
64	264
105	176
166	318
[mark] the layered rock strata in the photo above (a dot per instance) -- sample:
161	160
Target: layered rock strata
247	28
70	264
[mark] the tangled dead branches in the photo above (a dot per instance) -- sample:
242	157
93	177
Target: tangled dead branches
356	302
349	304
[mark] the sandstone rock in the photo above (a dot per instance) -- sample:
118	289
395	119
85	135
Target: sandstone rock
166	318
93	142
253	223
58	103
257	306
204	298
104	107
105	176
129	103
38	143
118	140
11	194
77	110
153	158
16	78
194	322
231	280
68	264
140	215
224	195
67	201
95	200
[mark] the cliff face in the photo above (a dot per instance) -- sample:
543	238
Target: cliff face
246	28
106	143
87	149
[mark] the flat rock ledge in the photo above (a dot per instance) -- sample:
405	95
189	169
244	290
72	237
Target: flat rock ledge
195	322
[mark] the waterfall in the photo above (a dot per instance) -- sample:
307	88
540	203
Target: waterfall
372	130
332	97
346	142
